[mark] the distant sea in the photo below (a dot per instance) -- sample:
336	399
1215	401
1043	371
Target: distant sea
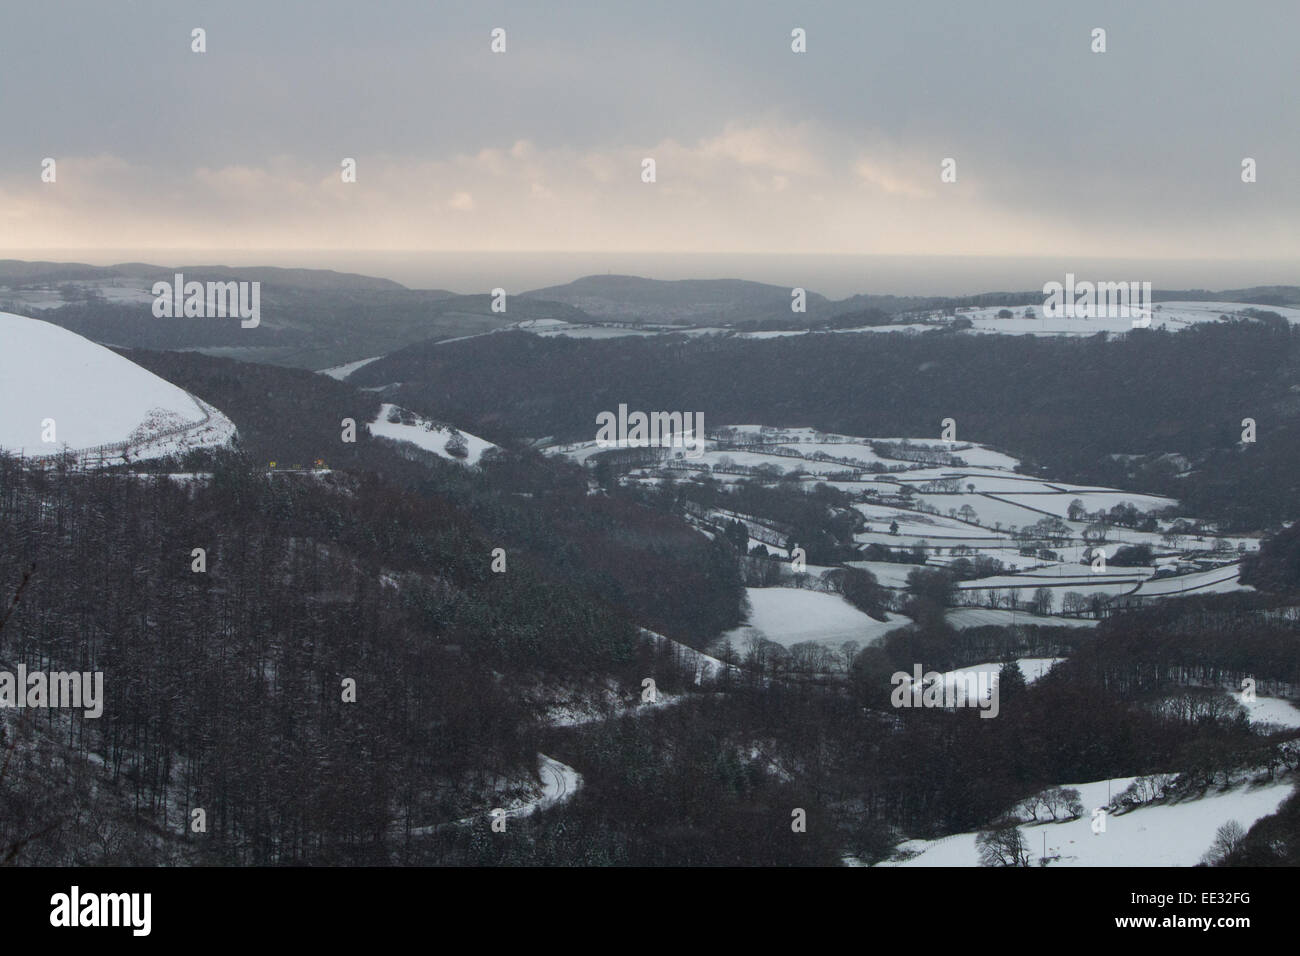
834	276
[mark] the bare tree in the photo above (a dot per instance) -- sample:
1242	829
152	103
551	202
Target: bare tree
1003	846
1147	788
1028	806
1062	801
1227	840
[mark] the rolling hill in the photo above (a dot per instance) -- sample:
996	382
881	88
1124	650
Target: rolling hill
60	391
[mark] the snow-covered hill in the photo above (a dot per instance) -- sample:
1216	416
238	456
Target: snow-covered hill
91	401
1159	834
397	423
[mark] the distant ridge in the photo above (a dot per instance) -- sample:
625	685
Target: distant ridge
17	270
691	301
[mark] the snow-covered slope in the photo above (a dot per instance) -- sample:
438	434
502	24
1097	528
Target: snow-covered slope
341	372
790	616
1174	834
93	399
399	424
1270	710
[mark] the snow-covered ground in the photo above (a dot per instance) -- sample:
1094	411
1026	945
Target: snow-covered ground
970	686
1270	710
1214	581
589	331
990	510
985	616
1167	315
1050	574
427	435
341	372
559	783
980	508
116	291
789	616
1093	500
1108	584
916	524
94	398
1031	667
887	573
1173	834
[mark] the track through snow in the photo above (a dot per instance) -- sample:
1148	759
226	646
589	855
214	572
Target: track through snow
559	783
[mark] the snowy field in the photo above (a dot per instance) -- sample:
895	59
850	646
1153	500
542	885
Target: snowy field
789	616
1173	316
986	616
1059	504
887	573
93	397
428	435
918	524
1272	711
1176	834
1214	581
989	511
1109	584
985	481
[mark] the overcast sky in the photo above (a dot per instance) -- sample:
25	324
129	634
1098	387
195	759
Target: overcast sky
1133	152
